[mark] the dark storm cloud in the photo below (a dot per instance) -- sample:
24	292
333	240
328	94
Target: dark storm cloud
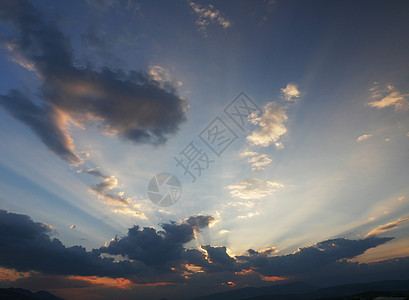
199	222
310	259
158	247
150	255
211	259
130	104
220	260
349	271
26	245
257	259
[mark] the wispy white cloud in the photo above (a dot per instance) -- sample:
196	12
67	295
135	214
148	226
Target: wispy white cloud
207	16
257	161
223	231
291	92
240	204
109	183
387	227
388	97
249	215
271	126
129	211
103	189
363	137
254	188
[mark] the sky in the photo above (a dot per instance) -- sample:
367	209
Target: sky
279	131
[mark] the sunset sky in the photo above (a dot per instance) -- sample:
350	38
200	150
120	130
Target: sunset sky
309	180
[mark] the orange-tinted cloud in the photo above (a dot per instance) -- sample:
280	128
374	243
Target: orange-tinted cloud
12	275
121	283
272	278
387	227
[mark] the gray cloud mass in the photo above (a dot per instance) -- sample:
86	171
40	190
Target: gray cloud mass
130	104
151	255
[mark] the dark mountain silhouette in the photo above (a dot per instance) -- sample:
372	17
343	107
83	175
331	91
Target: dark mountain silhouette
305	291
23	294
352	289
395	295
244	293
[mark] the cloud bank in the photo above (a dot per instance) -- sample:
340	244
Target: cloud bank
147	255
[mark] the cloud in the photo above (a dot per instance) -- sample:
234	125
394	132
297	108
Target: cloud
95	173
257	161
108	183
388	97
254	188
291	92
157	248
23	238
46	121
162	76
387	227
117	201
129	211
199	222
256	259
132	105
249	215
147	255
219	256
246	204
207	16
147	252
363	137
271	125
311	259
